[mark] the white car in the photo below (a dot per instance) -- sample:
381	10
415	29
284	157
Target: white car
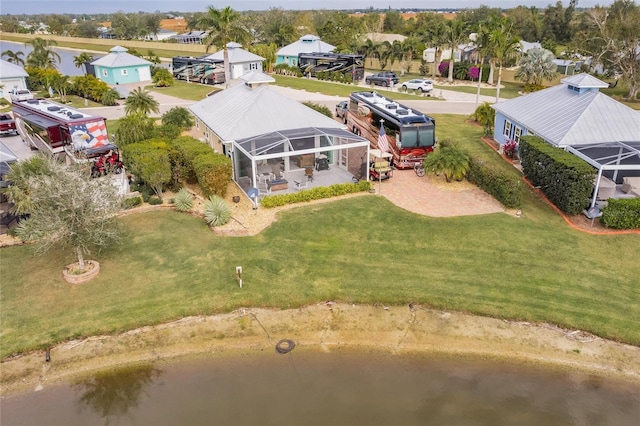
20	95
425	86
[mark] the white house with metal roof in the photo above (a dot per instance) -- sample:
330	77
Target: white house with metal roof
241	61
577	117
306	44
267	134
12	77
120	67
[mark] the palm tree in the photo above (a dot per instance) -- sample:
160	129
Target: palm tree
140	101
370	50
20	174
42	56
535	66
449	160
14	57
435	37
483	46
505	47
455	33
81	60
223	26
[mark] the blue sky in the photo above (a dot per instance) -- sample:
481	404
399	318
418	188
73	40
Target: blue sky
94	6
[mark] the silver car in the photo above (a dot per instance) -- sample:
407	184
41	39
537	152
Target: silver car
421	84
341	110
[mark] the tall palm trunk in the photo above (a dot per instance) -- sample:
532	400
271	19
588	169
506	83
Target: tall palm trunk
450	77
479	84
499	80
492	67
227	71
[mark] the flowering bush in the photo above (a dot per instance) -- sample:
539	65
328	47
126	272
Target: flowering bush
443	68
473	73
510	148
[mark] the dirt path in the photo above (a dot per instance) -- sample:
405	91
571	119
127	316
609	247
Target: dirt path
327	327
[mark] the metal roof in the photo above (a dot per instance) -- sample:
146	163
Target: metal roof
9	70
242	111
564	117
273	144
306	44
119	58
237	55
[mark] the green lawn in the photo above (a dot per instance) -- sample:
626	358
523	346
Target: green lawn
183	90
360	250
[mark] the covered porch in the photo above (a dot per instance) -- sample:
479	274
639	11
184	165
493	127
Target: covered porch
618	165
291	160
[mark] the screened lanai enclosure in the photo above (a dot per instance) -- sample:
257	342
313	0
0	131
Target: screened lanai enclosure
291	160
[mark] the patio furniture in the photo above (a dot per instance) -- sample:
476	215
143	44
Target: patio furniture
606	189
278	185
308	172
631	184
263	189
300	184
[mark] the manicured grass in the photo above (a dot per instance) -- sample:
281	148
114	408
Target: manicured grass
360	250
183	90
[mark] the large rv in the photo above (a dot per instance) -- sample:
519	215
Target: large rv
312	63
411	135
54	128
198	70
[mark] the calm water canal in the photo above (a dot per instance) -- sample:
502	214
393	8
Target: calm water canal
303	388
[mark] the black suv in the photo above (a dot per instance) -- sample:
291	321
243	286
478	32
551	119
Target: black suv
382	79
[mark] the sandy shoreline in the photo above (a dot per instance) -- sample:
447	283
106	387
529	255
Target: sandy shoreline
328	327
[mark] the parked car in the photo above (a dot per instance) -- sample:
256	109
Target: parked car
7	125
425	86
384	78
20	94
341	110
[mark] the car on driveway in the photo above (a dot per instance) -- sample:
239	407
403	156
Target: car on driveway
7	125
20	95
384	78
341	110
421	84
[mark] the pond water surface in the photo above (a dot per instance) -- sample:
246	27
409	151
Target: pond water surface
308	388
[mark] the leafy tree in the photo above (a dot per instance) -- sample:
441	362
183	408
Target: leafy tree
127	26
613	39
535	66
216	211
13	57
449	160
150	161
60	83
151	23
370	49
339	29
486	115
70	209
527	22
430	29
133	128
178	116
82	59
162	78
141	101
557	21
20	173
268	52
223	26
57	24
393	22
87	29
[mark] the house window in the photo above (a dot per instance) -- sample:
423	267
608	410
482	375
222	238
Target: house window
530	132
507	129
253	66
124	72
516	134
105	73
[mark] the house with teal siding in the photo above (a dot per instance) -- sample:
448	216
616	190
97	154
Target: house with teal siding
120	67
307	44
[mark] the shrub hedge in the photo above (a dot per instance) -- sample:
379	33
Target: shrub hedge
198	163
622	213
565	179
315	194
505	187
